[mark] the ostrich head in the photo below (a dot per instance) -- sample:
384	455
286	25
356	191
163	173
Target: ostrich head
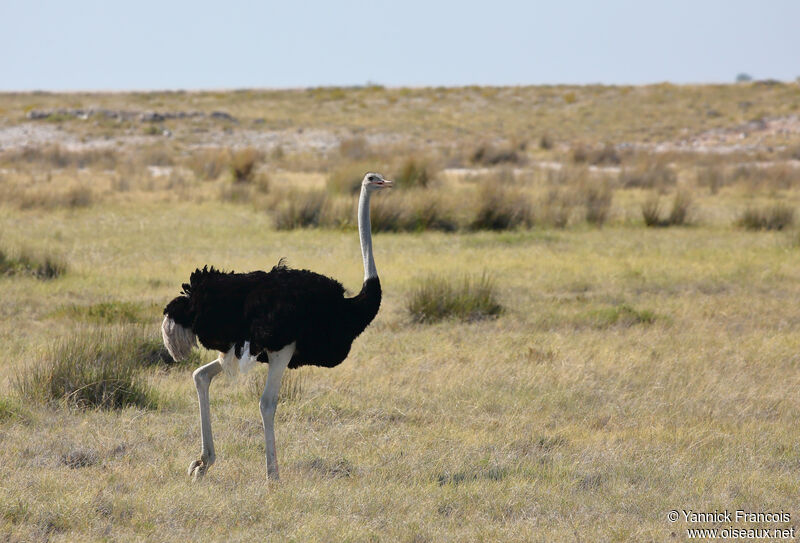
374	181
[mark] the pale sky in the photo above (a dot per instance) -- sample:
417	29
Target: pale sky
198	44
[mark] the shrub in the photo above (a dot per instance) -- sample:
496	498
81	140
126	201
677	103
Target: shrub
430	211
499	208
55	156
605	155
243	164
620	315
597	199
209	163
94	368
80	196
580	154
678	215
111	312
355	148
712	177
413	174
649	176
651	211
387	216
775	217
436	298
557	206
10	410
681	204
490	155
300	210
45	266
346	179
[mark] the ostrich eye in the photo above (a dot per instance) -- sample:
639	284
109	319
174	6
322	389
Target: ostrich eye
372	178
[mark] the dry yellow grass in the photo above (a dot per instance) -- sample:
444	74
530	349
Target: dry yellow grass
633	371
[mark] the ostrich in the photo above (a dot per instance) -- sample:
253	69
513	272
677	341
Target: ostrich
285	317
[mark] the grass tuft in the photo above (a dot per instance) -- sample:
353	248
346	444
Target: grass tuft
11	410
414	173
678	215
500	208
79	458
620	315
346	179
490	155
209	163
111	312
774	217
648	176
95	368
40	266
301	210
597	199
243	164
435	298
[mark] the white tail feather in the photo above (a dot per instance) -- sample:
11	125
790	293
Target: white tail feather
234	366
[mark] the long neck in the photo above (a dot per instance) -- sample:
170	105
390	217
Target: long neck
365	234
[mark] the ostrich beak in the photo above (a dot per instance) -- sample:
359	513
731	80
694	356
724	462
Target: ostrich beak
387	183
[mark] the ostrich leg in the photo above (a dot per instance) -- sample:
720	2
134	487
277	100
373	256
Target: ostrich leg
202	379
278	361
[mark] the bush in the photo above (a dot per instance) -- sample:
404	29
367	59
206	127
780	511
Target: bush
346	179
621	315
95	368
55	156
413	174
775	217
499	208
45	266
651	211
490	155
557	206
678	215
300	210
209	163
11	410
607	155
243	164
355	148
712	177
649	176
436	298
111	312
387	216
429	211
597	199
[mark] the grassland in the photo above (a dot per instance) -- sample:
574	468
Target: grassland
633	370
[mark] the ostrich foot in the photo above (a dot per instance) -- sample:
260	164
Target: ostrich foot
198	469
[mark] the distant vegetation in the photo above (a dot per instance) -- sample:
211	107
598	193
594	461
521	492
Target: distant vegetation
464	298
26	262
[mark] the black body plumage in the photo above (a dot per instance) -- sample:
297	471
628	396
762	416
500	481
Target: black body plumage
275	308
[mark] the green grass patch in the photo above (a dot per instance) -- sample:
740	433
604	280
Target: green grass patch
775	217
115	312
11	410
95	368
436	298
40	266
620	315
